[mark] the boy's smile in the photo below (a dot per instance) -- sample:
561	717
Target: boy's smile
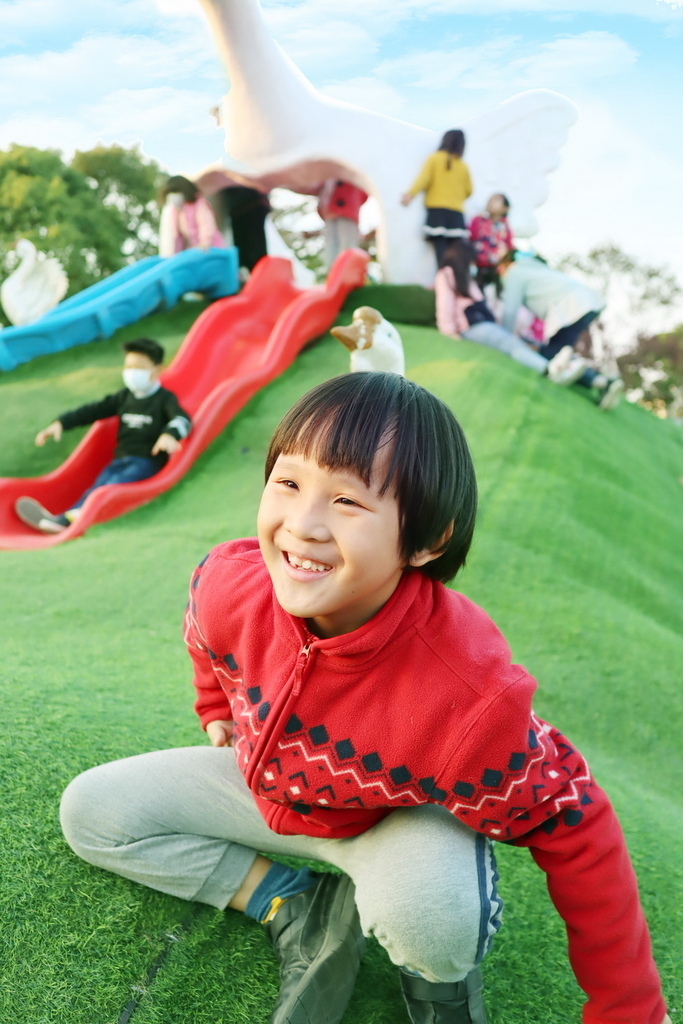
330	543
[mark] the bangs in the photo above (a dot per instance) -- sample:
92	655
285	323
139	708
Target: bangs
342	428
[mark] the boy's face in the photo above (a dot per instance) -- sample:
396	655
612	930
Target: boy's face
330	543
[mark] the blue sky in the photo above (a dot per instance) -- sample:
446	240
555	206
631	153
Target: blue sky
75	72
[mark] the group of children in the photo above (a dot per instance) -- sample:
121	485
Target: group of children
483	284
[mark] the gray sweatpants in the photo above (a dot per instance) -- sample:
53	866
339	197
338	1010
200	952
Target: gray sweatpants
183	821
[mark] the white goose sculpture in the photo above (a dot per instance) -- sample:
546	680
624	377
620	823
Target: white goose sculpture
36	286
280	131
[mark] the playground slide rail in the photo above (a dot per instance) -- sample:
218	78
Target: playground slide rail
235	348
124	298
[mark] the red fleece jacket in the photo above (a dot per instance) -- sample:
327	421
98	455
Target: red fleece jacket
419	705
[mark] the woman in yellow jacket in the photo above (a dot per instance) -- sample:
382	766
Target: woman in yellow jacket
446	183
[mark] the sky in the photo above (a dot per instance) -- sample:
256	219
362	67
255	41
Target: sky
74	73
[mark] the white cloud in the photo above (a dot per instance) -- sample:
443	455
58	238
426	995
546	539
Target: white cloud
501	63
368	92
44	132
95	65
27	20
384	15
612	186
131	113
333	45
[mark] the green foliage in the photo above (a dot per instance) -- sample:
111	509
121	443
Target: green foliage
403	304
289	213
577	557
654	368
94	214
125	180
634	292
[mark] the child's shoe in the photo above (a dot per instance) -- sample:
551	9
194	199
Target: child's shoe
457	1002
566	367
318	940
33	514
609	396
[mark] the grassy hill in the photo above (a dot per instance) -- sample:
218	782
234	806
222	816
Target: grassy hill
578	557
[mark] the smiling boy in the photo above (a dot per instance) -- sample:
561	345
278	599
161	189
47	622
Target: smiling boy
364	716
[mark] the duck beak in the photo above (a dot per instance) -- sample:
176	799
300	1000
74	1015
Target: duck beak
349	336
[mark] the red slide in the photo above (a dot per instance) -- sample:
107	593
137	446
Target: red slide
234	348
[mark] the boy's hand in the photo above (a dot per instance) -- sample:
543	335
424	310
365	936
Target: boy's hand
220	733
166	443
406	198
54	430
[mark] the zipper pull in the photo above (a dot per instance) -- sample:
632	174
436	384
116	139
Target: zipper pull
300	666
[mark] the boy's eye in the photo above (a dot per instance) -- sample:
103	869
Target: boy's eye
287	483
347	501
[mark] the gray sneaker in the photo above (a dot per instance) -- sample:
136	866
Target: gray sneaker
458	1002
33	514
318	940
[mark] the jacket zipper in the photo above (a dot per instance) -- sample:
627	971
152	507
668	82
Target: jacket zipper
261	754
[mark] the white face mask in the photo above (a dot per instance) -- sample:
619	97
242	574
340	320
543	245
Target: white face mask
175	198
137	381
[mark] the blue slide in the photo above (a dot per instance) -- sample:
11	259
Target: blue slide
123	298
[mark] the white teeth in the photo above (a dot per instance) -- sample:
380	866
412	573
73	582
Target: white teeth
306	563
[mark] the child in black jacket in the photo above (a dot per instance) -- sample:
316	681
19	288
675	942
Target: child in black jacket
151	427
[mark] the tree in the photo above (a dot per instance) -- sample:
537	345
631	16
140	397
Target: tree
653	371
127	182
94	214
641	298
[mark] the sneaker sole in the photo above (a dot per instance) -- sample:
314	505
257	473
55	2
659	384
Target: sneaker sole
33	514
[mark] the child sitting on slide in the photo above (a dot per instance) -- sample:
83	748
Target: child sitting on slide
362	715
151	427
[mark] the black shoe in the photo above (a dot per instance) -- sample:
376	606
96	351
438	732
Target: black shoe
318	940
457	1002
33	514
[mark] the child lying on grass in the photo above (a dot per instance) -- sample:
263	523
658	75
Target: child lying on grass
366	717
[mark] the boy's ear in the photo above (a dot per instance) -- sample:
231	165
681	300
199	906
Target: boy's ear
429	554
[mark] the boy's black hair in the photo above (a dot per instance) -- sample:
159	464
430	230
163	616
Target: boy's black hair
344	421
146	347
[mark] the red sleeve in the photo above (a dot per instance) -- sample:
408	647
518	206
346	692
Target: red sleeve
211	702
519	780
475	227
593	886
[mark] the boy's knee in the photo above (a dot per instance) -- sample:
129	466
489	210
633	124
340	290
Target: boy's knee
431	899
433	934
80	808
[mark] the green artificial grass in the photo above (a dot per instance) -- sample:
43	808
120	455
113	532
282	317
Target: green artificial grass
577	557
399	303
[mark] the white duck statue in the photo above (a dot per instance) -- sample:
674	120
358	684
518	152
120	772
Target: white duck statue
36	286
373	342
280	131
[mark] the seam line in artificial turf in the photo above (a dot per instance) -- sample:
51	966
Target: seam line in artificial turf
143	989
